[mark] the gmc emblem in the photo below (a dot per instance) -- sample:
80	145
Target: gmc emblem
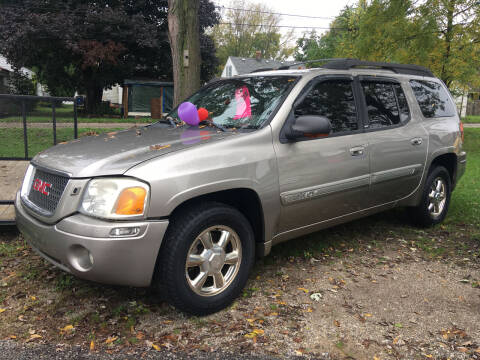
41	186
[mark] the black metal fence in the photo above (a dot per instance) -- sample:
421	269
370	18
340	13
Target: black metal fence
23	105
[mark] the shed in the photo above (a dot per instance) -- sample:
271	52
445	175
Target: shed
138	94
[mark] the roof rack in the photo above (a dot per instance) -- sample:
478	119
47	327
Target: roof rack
346	64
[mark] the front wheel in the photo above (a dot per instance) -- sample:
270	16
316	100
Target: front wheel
435	199
206	258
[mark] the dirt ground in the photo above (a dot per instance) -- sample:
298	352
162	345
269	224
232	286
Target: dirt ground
372	290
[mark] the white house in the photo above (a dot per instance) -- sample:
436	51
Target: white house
6	69
240	65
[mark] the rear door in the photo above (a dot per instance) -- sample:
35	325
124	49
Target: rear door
398	142
324	177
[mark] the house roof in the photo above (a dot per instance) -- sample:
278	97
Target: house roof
247	65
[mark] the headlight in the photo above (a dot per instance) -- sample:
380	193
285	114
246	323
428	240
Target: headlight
115	198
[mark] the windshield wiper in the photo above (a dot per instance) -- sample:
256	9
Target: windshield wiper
211	123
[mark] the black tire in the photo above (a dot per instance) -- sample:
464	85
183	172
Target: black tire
184	229
421	215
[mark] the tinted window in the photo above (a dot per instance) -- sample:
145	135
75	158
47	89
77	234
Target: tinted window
334	100
386	104
433	99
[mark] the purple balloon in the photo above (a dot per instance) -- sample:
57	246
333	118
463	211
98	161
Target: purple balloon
188	113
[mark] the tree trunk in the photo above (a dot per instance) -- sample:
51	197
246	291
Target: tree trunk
94	98
185	44
445	75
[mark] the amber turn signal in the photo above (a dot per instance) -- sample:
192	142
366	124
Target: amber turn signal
131	201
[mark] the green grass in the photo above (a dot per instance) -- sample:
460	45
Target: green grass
64	114
69	119
11	140
465	204
471	119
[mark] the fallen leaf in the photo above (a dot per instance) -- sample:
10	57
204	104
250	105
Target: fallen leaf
111	339
12	337
429	356
462	349
258	331
367	315
2	310
156	347
33	297
34	337
159	147
303	289
375	357
337	323
67	328
92	345
395	341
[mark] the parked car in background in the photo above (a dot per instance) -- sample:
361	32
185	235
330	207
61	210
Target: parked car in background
284	153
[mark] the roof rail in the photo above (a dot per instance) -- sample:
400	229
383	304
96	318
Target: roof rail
346	64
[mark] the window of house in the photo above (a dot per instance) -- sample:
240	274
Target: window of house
333	99
433	99
386	104
229	70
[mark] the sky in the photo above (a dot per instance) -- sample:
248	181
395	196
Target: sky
322	8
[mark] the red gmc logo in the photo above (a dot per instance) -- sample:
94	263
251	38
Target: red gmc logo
42	186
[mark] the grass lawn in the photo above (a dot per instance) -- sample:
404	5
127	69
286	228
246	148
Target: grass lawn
471	119
11	140
64	114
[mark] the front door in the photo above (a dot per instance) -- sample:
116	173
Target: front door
324	177
398	141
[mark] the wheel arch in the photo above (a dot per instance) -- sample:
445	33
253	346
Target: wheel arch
245	200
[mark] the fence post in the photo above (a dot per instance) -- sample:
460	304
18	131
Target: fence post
75	124
25	137
54	121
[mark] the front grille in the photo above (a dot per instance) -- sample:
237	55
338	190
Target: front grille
47	203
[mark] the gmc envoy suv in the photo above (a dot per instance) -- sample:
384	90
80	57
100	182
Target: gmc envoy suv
281	153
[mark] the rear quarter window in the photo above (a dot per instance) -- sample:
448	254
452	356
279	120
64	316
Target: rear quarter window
433	99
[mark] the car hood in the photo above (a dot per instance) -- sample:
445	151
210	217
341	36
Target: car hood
114	153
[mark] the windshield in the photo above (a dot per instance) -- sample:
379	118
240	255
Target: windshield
242	102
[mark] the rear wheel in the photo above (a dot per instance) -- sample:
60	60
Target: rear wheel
206	258
435	199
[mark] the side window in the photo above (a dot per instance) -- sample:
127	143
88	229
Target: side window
334	100
433	99
386	104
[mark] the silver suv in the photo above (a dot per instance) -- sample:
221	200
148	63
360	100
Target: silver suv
280	154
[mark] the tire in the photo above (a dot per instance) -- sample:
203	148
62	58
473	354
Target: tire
198	231
434	203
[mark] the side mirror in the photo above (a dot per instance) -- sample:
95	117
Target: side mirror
310	126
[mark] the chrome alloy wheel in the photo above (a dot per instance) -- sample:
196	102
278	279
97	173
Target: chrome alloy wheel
437	197
213	260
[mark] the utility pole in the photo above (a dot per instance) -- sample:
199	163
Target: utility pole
183	33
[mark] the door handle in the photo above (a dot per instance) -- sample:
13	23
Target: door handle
416	141
357	150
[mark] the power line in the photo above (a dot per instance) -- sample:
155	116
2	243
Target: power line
284	26
275	13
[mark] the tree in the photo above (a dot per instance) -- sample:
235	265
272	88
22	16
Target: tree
244	32
185	44
442	35
87	45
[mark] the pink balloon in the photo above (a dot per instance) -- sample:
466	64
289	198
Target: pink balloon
188	113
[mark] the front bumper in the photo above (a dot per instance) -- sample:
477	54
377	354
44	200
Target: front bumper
82	246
